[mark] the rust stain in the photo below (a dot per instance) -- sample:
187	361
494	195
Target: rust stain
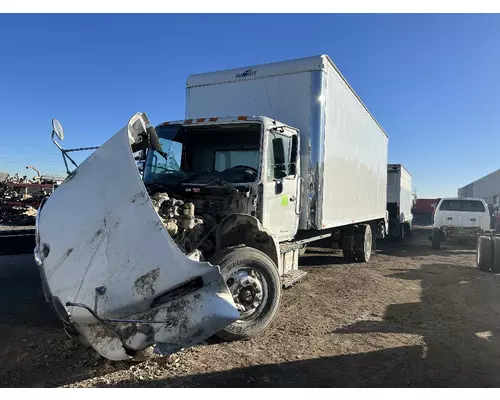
144	285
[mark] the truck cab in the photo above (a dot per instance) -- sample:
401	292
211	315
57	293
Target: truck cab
229	165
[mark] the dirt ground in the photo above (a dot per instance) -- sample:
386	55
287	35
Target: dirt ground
411	317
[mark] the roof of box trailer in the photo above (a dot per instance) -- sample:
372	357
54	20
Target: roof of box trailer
314	63
398	166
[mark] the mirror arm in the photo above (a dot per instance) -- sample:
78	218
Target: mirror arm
82	149
54	140
65	163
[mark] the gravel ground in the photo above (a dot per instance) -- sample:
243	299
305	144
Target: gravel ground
413	316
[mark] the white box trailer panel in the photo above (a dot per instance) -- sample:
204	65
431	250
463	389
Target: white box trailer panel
406	198
355	156
343	149
399	190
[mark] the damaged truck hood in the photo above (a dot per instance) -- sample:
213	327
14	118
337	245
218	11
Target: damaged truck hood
110	269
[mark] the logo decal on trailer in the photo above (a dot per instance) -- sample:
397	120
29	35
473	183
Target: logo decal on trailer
246	74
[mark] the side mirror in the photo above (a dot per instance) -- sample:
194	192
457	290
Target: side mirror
57	129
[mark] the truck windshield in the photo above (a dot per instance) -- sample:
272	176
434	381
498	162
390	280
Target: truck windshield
205	154
462	205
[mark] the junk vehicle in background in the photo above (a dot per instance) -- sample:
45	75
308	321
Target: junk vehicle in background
399	201
459	220
20	197
301	160
423	211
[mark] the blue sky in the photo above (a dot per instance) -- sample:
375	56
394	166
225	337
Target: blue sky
432	81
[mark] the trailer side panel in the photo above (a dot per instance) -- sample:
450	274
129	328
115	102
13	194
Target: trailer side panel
355	158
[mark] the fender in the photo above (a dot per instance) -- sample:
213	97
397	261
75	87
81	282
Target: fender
245	229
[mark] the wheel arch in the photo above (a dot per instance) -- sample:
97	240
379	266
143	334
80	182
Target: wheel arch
237	229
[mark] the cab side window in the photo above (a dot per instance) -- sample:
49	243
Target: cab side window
281	156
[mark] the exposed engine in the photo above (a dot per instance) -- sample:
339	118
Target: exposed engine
191	217
179	219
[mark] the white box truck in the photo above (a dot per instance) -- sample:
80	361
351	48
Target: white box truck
268	159
399	201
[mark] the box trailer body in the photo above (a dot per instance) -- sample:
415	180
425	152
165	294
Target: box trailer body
343	148
399	199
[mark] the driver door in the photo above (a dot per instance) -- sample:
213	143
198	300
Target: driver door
280	180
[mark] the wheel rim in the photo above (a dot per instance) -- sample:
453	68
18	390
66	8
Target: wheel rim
249	290
368	244
478	252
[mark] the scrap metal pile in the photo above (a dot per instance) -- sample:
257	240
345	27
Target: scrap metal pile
20	197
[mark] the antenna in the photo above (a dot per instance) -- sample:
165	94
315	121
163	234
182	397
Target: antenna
264	78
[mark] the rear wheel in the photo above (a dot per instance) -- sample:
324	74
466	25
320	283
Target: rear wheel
402	233
495	264
484	253
348	248
408	227
254	282
436	239
363	244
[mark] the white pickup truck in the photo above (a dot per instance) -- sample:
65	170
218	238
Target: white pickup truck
459	220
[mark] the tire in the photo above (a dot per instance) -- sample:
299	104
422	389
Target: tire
233	260
436	239
401	236
363	243
348	248
408	227
484	253
495	262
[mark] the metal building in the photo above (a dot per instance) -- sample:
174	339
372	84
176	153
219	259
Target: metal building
487	188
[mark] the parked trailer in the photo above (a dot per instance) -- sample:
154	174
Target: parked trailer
399	201
423	211
122	255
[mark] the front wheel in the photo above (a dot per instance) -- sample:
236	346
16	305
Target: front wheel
253	280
